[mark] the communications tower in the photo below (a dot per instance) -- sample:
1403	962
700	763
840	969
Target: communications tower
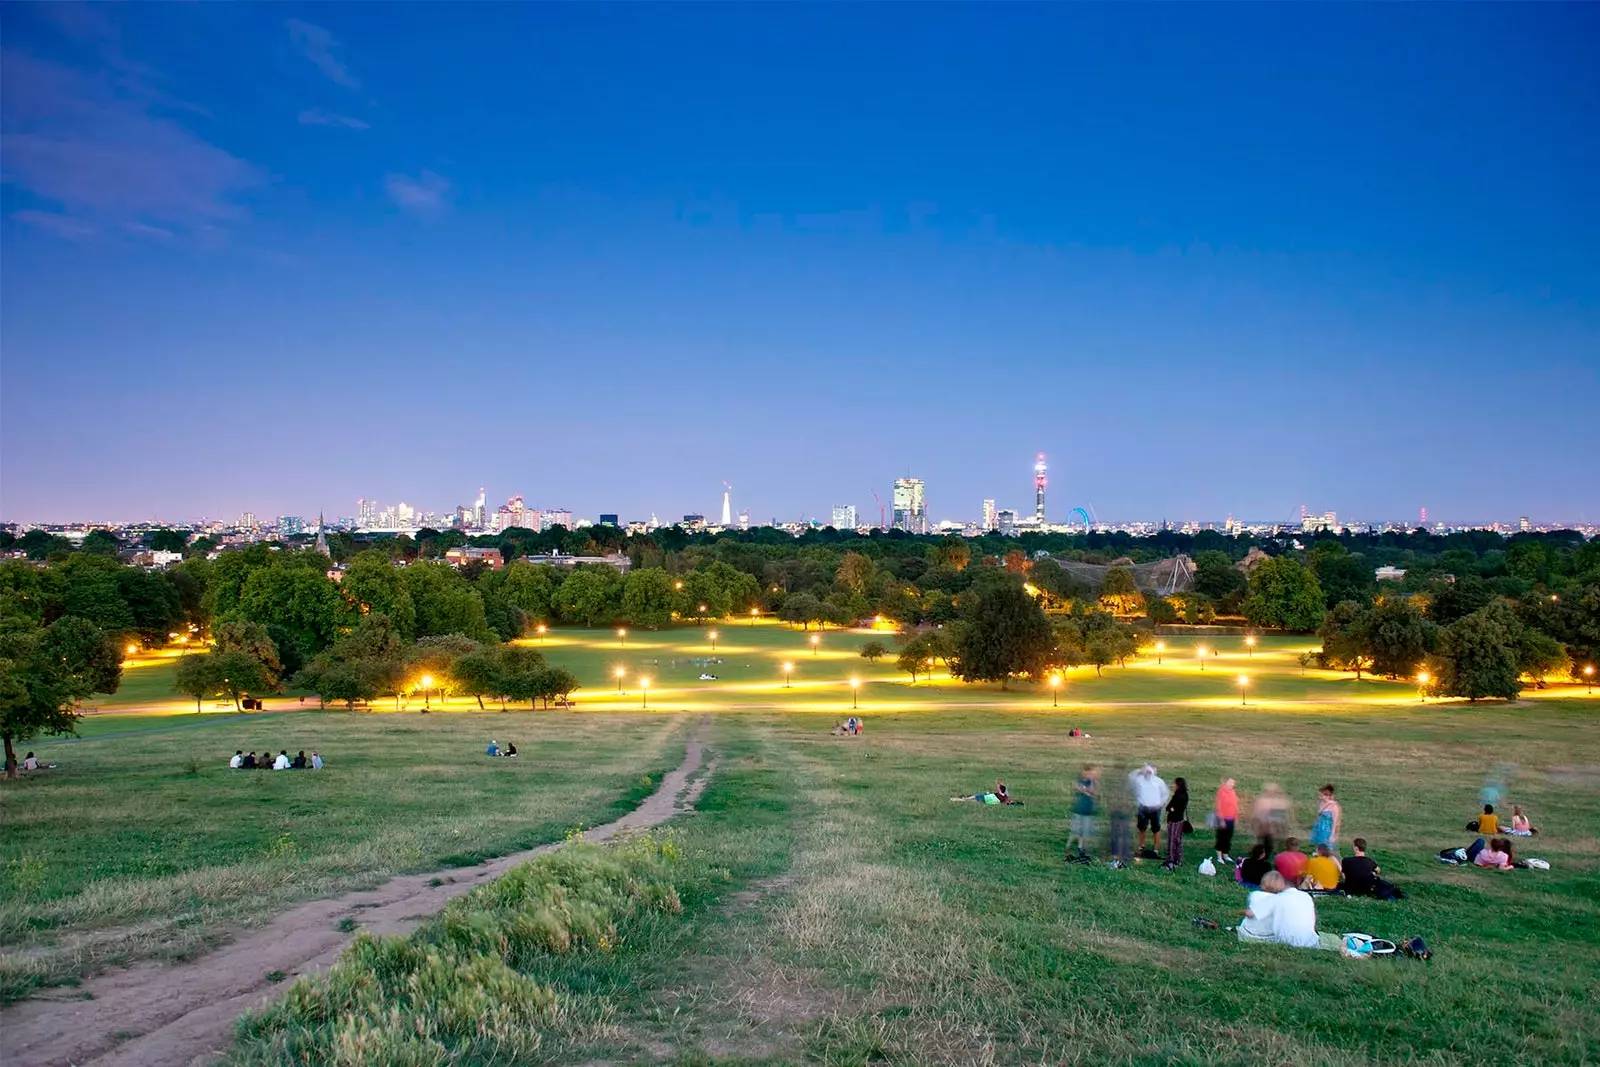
1039	480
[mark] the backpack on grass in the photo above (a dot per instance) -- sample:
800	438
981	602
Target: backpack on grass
1365	946
1417	949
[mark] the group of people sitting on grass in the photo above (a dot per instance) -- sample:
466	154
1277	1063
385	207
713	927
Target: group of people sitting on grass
1321	872
495	749
1489	823
851	727
249	761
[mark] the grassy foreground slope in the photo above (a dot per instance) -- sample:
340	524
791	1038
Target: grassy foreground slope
143	843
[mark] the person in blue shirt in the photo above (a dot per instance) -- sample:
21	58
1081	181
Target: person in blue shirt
492	750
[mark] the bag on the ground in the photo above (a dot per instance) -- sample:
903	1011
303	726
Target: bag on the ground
1208	868
1539	865
1453	856
1205	924
1417	949
1383	889
1365	946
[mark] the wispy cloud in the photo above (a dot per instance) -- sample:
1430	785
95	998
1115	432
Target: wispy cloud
319	116
61	225
426	194
108	159
317	45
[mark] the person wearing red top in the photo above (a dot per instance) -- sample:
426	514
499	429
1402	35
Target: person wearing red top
1227	810
1291	862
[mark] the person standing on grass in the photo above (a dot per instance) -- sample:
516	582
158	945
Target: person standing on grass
1227	812
1325	831
1084	792
1119	823
1150	793
1270	815
1177	812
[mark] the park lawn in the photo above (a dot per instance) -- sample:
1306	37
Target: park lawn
840	909
142	843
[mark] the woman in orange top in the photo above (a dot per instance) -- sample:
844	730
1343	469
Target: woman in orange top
1227	809
1488	822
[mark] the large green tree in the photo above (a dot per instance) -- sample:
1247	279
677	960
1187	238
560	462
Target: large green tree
648	598
1006	633
1477	656
372	584
445	602
296	594
45	672
590	596
1285	595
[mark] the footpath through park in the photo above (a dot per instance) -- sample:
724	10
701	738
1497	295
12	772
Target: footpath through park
154	1015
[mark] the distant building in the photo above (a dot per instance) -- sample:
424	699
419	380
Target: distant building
1328	520
990	519
844	516
694	522
744	520
460	557
910	506
556	517
1389	574
608	520
291	525
1523	524
619	560
1006	522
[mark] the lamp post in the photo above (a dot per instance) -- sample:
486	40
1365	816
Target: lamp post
427	684
1422	685
644	692
1588	676
855	687
540	630
753	613
815	641
1201	652
1250	645
713	636
702	614
620	673
787	669
1055	690
622	636
132	650
1161	646
1244	681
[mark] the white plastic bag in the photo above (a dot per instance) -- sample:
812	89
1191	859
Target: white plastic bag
1208	868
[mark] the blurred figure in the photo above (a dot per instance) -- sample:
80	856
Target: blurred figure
1085	793
1119	822
1271	814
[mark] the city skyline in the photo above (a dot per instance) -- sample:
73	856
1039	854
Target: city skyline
1210	260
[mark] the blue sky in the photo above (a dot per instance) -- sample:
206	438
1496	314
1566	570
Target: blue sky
1211	259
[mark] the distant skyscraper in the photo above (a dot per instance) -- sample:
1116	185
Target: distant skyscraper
1522	524
1006	521
1423	521
366	513
844	516
322	538
727	505
290	525
990	522
744	520
555	517
910	506
608	520
479	513
1039	469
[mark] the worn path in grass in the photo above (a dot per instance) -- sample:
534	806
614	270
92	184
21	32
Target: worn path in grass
183	1013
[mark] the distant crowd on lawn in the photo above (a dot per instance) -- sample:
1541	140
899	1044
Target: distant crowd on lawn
249	761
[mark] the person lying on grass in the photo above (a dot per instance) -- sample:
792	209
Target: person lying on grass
999	796
1495	856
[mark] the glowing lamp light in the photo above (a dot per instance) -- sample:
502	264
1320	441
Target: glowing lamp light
1055	690
788	668
1422	684
1244	681
132	649
1161	646
427	681
855	687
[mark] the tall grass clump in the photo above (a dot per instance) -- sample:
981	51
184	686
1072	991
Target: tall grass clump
454	991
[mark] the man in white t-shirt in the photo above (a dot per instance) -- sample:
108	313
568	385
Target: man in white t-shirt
238	760
1294	919
282	762
1257	922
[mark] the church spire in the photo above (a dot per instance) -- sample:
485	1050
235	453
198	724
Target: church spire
322	538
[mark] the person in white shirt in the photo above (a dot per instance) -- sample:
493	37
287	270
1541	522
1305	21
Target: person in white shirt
316	761
1257	922
1151	794
1294	918
282	762
237	761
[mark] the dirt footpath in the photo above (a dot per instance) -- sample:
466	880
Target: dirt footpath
183	1014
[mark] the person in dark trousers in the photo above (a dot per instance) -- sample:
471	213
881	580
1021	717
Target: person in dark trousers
1177	812
299	762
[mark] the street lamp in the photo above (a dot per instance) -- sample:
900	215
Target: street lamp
1244	680
1055	690
427	683
1422	685
678	586
1161	646
1250	644
713	636
540	630
702	614
815	641
621	672
1588	676
787	668
644	692
132	649
855	687
622	636
1201	652
753	613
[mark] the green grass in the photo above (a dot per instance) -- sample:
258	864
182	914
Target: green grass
839	909
143	843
